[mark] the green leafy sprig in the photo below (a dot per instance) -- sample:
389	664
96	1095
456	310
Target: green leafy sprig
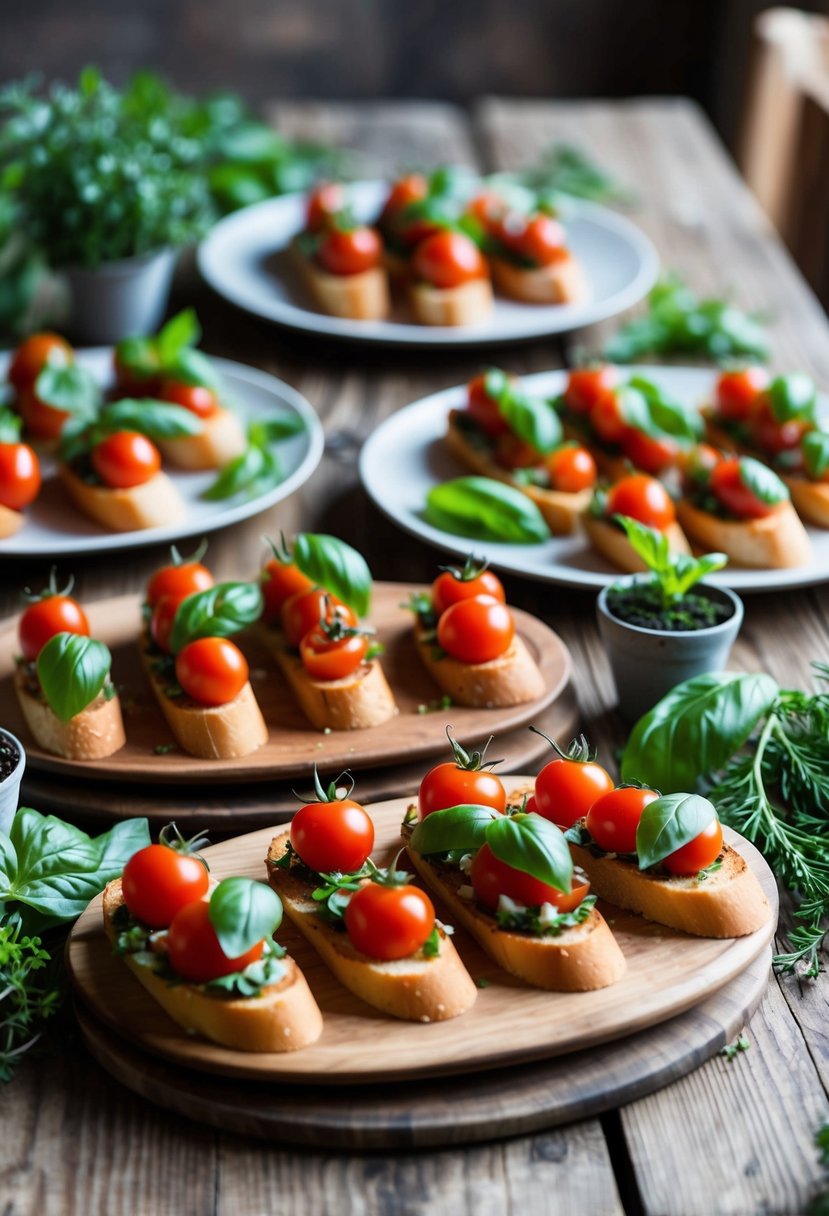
674	574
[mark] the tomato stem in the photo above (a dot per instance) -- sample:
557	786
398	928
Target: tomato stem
473	761
578	750
177	559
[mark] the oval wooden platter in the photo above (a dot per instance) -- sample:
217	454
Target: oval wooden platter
293	746
510	1023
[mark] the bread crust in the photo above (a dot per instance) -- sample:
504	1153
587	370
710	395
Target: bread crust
10	521
354	702
777	541
469	304
416	989
95	732
560	282
284	1018
511	679
220	440
810	499
613	544
360	297
152	505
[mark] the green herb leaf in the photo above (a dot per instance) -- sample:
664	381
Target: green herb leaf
72	670
533	845
139	355
180	331
243	912
275	428
156	419
267	970
816	453
530	418
483	509
458	827
71	389
793	397
193	367
332	564
670	822
252	474
674	573
762	481
218	612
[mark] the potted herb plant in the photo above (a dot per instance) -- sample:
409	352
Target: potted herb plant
12	764
658	631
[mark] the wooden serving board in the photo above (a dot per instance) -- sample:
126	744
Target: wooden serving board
510	1023
293	746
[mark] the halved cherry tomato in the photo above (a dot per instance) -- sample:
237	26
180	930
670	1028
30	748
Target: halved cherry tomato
332	836
538	238
728	488
448	259
323	204
476	630
213	671
585	385
644	498
159	881
37	352
301	612
491	878
452	586
389	922
565	789
193	947
351	252
606	417
651	453
449	784
698	853
197	398
327	658
19	475
281	580
484	410
736	393
511	452
773	437
42	421
161	620
125	459
614	817
571	469
178	580
44	618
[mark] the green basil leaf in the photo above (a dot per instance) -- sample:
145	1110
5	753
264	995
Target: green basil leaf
71	389
275	428
650	544
192	367
533	845
72	670
334	565
483	509
793	397
670	822
816	453
10	426
140	355
458	827
531	419
696	729
670	417
155	419
762	481
255	472
218	612
635	410
181	331
242	912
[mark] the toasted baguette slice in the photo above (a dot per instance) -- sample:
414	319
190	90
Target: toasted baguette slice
151	505
511	679
416	989
469	304
95	732
613	544
10	522
211	732
777	541
578	960
560	282
728	903
561	511
360	297
810	499
220	440
284	1018
354	702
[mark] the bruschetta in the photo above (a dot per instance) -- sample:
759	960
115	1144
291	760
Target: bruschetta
449	281
754	415
20	475
340	259
643	498
530	261
152	503
220	440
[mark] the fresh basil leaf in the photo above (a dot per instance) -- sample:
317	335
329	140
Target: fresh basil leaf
762	481
181	331
71	389
253	473
634	409
457	827
483	509
275	428
335	566
242	912
533	845
696	728
687	570
531	419
218	612
10	426
816	453
670	822
670	417
72	670
793	397
156	419
649	543
140	355
192	367
267	970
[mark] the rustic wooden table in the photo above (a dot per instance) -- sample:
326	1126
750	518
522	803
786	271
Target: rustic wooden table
732	1137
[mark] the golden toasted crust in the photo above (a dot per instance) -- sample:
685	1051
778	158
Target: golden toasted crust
810	499
511	679
284	1018
220	440
777	541
10	522
561	282
152	505
360	297
613	544
416	989
352	703
468	304
95	732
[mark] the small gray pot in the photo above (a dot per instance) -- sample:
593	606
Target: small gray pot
10	788
120	299
648	663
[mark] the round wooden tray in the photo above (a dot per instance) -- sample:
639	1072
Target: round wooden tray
293	746
508	1102
510	1023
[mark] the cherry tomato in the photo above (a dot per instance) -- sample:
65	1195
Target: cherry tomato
389	922
213	671
538	239
491	878
566	789
511	452
352	252
571	469
332	836
46	617
281	580
125	459
643	498
405	191
449	784
773	437
301	612
197	398
448	259
614	817
476	630
606	417
697	464
42	421
19	475
585	385
161	620
728	488
650	452
37	352
158	881
179	581
327	659
193	947
698	853
487	208
737	391
484	410
447	589
323	204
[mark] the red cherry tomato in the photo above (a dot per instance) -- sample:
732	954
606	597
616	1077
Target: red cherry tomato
511	452
566	789
193	948
37	352
197	398
159	881
643	498
491	878
614	817
332	836
213	671
448	785
585	385
389	922
476	630
538	239
728	488
178	581
125	459
571	469
40	420
161	620
487	208
352	252
650	452
606	417
327	659
281	580
323	204
447	589
44	618
698	853
19	475
448	259
484	410
301	612
737	391
405	191
773	437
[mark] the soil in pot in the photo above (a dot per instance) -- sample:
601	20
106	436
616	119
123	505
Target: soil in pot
641	605
9	758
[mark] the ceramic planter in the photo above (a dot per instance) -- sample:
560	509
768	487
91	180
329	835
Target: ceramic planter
10	785
120	299
648	663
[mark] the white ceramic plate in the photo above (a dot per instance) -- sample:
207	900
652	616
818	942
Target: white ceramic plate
55	527
240	259
406	457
